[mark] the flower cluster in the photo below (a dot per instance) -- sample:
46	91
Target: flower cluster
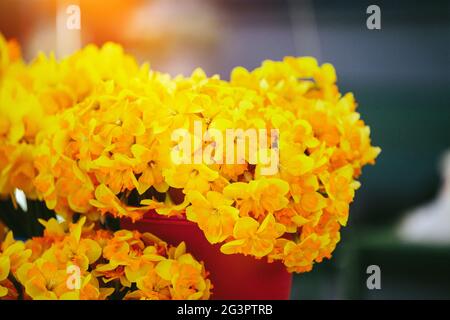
80	262
31	94
106	150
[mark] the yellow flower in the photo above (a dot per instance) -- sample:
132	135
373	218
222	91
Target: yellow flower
16	252
213	214
74	249
258	197
296	165
191	177
290	218
300	257
312	201
150	287
43	280
254	238
186	277
89	290
4	273
151	160
18	171
340	187
107	202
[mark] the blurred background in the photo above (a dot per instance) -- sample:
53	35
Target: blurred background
399	75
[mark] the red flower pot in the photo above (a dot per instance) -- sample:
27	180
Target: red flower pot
233	276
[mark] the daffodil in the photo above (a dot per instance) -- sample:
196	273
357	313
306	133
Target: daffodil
258	197
214	214
15	251
186	276
151	161
191	177
4	273
43	280
74	249
254	238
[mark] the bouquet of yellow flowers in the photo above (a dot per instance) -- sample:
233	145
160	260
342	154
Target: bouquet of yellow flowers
75	261
266	163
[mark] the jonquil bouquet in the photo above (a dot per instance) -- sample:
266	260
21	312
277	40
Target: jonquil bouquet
265	164
75	261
